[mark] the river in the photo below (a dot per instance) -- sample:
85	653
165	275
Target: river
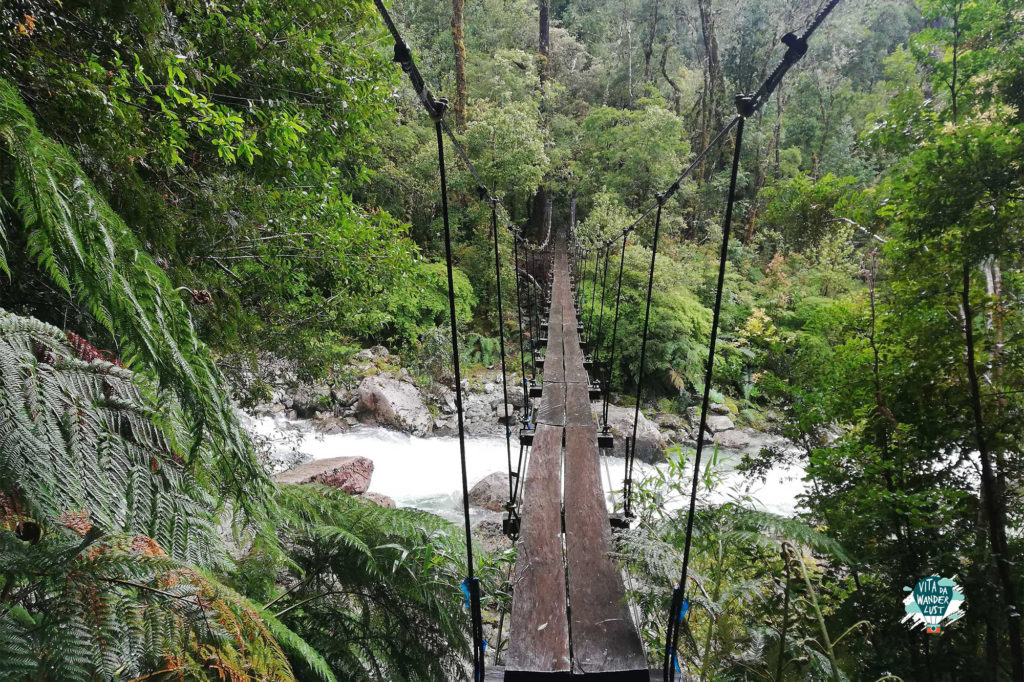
425	472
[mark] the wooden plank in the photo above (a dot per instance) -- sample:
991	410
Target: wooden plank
577	407
552	406
572	356
604	640
539	634
554	371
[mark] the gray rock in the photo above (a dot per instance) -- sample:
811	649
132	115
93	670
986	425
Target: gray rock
379	500
348	474
330	425
733	439
719	408
491	492
490	388
718	423
515	395
487	532
666	420
650	445
511	414
444	427
386	401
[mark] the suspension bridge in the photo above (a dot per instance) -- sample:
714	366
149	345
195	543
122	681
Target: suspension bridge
570	615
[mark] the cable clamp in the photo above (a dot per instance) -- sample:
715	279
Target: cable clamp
746	105
403	55
437	106
797	48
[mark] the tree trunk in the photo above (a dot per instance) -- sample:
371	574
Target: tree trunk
676	92
990	493
544	41
458	38
540	215
714	81
649	48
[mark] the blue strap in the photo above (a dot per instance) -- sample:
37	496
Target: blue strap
675	660
684	608
465	591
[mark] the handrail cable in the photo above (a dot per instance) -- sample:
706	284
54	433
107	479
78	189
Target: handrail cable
747	105
471	584
631	452
501	342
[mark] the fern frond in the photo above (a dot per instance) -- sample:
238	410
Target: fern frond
85	248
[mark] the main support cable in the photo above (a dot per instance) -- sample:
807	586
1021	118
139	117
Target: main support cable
615	330
471	584
436	108
747	106
600	317
679	603
631	453
501	347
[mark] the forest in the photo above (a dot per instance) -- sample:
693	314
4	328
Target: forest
194	191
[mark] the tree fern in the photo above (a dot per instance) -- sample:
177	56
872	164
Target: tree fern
375	591
85	248
90	438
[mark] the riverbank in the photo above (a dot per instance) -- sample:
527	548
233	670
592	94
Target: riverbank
403	431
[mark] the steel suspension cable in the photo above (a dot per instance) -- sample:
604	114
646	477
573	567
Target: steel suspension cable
747	106
600	317
615	330
519	313
679	603
501	347
522	368
631	452
471	584
593	296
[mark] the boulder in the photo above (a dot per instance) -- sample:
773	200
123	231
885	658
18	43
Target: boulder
307	399
733	439
348	474
379	500
719	422
487	532
491	492
444	427
500	412
448	402
330	425
386	401
719	408
667	420
515	395
650	445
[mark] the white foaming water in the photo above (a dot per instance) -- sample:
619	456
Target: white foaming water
426	473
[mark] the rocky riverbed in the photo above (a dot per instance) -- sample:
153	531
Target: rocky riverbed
377	432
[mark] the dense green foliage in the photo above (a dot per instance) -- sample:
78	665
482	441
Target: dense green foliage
189	184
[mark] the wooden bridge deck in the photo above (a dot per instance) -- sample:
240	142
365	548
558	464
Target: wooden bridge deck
569	612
